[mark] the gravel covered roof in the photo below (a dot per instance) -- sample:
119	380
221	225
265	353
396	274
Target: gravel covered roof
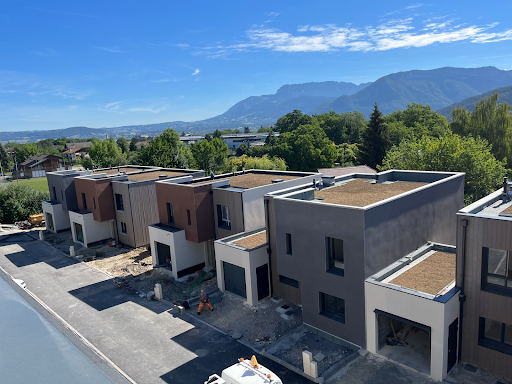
252	241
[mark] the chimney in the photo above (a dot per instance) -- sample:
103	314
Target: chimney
327	181
336	165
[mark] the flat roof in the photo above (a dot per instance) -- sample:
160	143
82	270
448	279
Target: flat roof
431	273
361	192
252	241
155	175
249	180
114	171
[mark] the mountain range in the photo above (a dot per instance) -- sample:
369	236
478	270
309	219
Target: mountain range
440	88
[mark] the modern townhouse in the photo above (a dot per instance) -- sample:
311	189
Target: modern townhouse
119	204
325	241
484	273
195	213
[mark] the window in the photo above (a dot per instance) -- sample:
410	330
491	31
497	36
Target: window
335	256
62	194
224	220
495	335
496	271
288	281
119	202
188	217
54	193
122	227
332	307
94	202
288	243
84	202
170	213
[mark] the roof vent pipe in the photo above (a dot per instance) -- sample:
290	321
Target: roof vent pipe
275	181
506	191
377	178
212	176
162	176
327	181
336	165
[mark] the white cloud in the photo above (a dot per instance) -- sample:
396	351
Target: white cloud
392	34
113	106
112	49
151	109
196	72
414	6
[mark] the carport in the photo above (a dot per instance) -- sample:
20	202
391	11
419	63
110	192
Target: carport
413	346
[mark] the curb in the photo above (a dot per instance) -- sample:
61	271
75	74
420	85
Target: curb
77	334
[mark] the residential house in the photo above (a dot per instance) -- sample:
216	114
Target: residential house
195	213
75	150
484	273
39	165
119	203
325	240
141	144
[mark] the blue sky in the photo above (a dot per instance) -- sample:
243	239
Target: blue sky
106	64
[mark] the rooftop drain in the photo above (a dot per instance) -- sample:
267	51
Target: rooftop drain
275	181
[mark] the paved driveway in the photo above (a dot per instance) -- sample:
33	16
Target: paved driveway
142	337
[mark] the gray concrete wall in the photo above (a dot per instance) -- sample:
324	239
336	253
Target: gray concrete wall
65	188
309	223
124	216
400	226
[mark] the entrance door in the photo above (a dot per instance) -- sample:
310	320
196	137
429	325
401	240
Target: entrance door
49	221
452	344
262	281
234	279
163	251
79	232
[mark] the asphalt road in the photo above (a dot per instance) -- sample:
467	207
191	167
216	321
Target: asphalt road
150	343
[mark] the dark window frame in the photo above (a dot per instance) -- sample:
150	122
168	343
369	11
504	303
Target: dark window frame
122	226
289	281
54	193
119	202
84	201
221	221
334	315
331	263
499	346
493	288
170	213
94	202
189	219
289	249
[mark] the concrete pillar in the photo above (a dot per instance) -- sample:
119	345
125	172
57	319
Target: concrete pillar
158	292
41	235
307	358
72	251
313	370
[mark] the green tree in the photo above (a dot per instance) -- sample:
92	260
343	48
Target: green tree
415	121
165	150
263	129
264	162
375	141
106	154
451	153
342	127
271	139
489	120
348	154
292	121
18	202
247	130
306	148
217	134
242	149
4	158
211	155
133	141
123	144
24	151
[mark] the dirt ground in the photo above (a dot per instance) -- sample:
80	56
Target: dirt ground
259	326
290	349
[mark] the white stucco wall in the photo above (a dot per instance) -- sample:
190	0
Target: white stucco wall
60	216
93	230
184	253
248	260
438	316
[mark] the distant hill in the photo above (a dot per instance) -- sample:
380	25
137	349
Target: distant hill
437	88
470	102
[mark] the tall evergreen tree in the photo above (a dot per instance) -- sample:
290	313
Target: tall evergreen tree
375	140
4	159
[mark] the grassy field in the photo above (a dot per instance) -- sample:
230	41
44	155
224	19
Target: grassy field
39	183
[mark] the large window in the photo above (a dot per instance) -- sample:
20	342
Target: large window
497	271
119	202
84	202
224	217
289	243
189	220
122	227
332	307
335	256
495	335
286	280
170	213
